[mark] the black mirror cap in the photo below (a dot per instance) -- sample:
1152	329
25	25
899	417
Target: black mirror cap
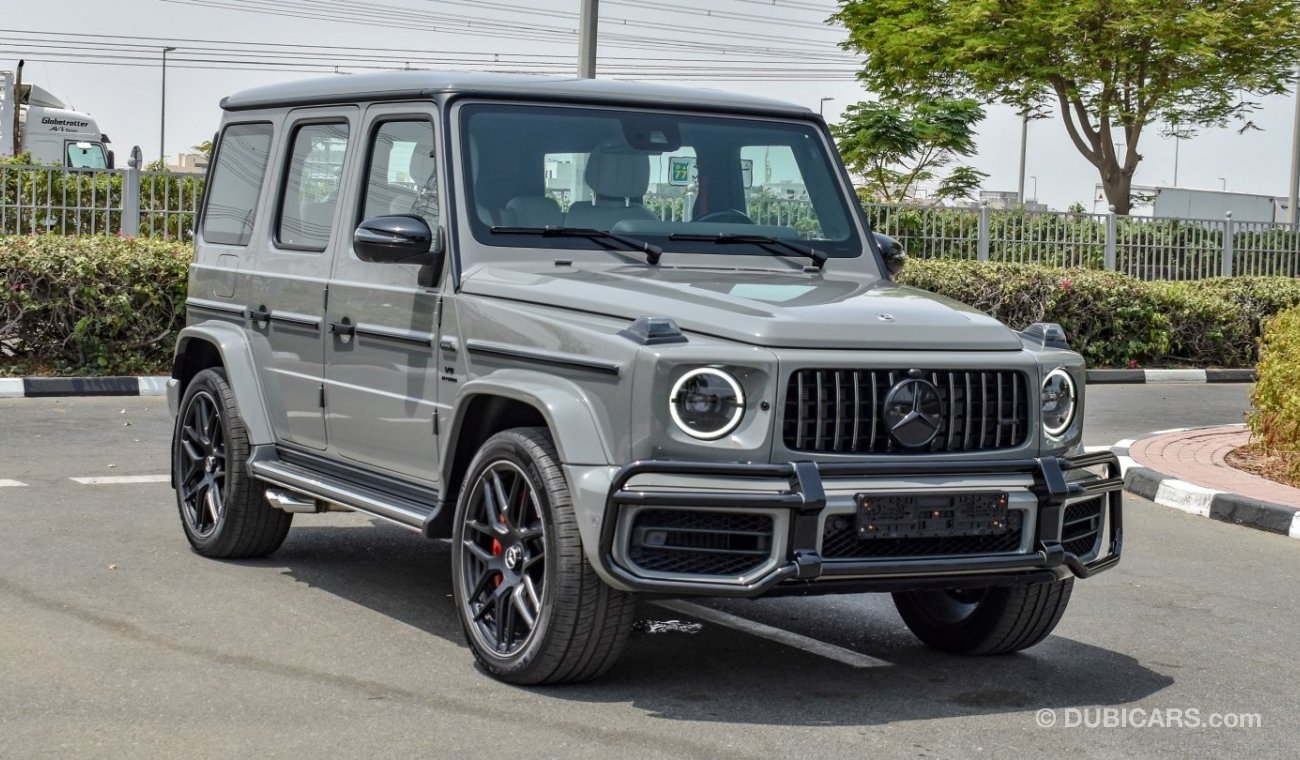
1047	334
892	250
112	160
399	239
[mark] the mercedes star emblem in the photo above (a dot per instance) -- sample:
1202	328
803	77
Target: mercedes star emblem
913	412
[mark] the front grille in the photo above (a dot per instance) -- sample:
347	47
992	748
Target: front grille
841	411
1081	526
840	541
696	542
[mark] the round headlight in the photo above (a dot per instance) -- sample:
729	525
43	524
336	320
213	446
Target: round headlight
1059	402
707	403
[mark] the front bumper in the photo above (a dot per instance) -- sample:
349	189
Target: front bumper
1044	488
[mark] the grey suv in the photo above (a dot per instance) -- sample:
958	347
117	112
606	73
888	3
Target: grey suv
613	340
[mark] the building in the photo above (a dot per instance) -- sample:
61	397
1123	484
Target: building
189	163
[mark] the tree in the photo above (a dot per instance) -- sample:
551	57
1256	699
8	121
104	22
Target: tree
1109	68
897	147
204	148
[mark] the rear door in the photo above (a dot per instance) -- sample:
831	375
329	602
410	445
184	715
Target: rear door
380	364
287	305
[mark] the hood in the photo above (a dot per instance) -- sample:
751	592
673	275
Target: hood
762	308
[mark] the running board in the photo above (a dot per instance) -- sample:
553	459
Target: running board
315	485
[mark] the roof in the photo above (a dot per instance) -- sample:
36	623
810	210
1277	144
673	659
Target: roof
422	84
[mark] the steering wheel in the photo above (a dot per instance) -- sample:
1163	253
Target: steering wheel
729	216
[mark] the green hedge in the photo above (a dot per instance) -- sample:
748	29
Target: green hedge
94	305
90	305
1276	398
1115	320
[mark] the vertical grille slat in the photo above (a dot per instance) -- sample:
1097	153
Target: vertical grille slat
982	410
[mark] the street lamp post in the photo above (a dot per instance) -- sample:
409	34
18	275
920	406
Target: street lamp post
1224	180
820	106
162	111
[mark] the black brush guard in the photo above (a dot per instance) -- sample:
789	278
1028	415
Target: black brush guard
805	499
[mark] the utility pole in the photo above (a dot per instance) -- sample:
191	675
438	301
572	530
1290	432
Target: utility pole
162	114
588	22
1292	215
1024	142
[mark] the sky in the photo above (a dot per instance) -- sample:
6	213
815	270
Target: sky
774	48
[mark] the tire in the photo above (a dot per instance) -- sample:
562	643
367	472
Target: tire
223	511
528	562
993	620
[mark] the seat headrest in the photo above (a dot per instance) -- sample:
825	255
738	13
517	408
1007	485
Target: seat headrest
422	163
615	171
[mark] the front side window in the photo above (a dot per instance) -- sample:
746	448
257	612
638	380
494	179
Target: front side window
402	177
685	182
311	186
236	183
86	155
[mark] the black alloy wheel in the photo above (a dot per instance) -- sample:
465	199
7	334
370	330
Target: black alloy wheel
504	559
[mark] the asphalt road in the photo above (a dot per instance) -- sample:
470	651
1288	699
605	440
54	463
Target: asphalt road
117	641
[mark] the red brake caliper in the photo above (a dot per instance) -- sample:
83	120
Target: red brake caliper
496	552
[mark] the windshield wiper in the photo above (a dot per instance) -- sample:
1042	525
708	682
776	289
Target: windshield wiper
819	257
652	251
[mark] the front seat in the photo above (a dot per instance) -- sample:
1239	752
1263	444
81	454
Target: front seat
618	177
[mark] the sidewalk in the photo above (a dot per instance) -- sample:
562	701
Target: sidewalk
1185	469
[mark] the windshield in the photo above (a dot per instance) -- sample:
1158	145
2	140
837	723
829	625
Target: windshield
85	155
683	182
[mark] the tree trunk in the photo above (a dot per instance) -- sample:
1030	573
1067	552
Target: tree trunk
1118	184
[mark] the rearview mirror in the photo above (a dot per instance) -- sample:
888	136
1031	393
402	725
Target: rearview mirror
403	239
892	250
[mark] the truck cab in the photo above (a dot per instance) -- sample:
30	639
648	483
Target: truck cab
34	121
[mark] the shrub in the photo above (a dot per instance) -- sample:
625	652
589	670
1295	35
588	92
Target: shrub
1110	318
1276	398
89	305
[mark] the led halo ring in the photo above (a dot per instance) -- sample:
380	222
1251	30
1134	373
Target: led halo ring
1074	401
729	426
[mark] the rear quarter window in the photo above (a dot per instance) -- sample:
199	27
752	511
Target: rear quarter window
236	183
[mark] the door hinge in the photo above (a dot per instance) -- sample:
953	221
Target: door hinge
322	396
435	422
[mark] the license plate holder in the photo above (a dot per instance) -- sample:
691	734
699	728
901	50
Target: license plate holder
931	515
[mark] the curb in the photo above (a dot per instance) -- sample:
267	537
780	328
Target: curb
1205	502
62	387
1143	376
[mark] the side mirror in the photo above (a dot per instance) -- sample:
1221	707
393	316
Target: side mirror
112	160
397	240
892	250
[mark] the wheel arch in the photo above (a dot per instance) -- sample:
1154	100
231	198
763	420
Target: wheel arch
520	398
204	346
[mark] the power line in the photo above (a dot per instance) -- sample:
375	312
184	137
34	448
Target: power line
492	29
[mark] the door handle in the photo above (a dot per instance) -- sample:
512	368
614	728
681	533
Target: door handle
344	330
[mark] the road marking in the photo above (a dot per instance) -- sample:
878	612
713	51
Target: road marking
114	480
1175	375
1124	444
780	635
1125	463
12	483
12	387
1295	525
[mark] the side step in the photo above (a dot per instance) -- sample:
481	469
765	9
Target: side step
309	486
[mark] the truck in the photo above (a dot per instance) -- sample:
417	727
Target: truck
34	121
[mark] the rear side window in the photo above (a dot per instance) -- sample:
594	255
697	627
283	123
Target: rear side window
311	186
236	183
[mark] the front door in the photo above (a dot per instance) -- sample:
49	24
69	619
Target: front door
380	363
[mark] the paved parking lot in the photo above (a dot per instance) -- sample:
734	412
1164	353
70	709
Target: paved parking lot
116	640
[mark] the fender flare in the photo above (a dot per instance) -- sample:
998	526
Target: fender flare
241	373
563	404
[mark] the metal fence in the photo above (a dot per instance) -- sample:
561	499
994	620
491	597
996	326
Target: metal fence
35	199
1144	247
162	204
